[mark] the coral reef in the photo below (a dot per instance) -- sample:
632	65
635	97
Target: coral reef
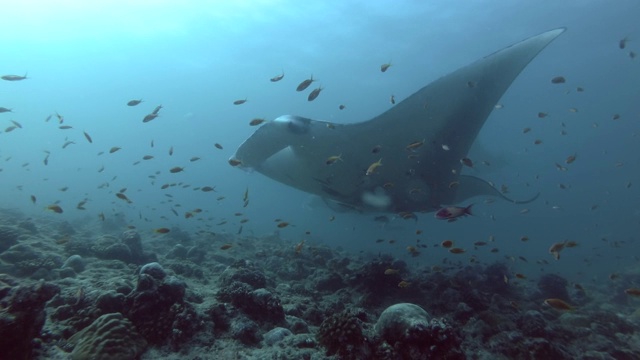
109	337
22	316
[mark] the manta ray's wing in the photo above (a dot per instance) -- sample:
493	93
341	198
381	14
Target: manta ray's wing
417	144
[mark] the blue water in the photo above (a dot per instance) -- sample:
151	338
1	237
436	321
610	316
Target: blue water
85	60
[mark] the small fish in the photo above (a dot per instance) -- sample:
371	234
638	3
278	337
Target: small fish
314	94
218	146
171	151
413	251
147	157
558	80
467	162
570	159
526	130
134	102
456	250
101	216
277	77
392	100
621	44
445	147
114	149
87	137
542	115
537	142
298	247
403	284
149	117
17	124
33	199
447	244
226	247
520	276
162	230
10	128
633	292
283	224
152	144
234	162
385	67
4	110
60	118
195	158
451	213
65	127
341	107
558	304
305	84
333	159
208	188
240	102
391	271
123	197
479	243
81	204
376	149
256	122
55	208
176	169
373	167
14	77
414	145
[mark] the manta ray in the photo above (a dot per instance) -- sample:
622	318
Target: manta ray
407	159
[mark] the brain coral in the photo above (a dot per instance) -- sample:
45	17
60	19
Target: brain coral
109	337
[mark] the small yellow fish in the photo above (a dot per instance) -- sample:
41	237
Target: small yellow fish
333	159
558	304
55	208
373	167
391	272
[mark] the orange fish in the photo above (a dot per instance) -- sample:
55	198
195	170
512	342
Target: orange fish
55	208
447	244
161	230
456	250
633	292
558	304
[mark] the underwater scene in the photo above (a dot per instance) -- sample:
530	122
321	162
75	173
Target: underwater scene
279	179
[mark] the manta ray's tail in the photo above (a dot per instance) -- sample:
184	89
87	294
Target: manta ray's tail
471	186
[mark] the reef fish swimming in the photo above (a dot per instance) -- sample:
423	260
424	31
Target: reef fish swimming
293	150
